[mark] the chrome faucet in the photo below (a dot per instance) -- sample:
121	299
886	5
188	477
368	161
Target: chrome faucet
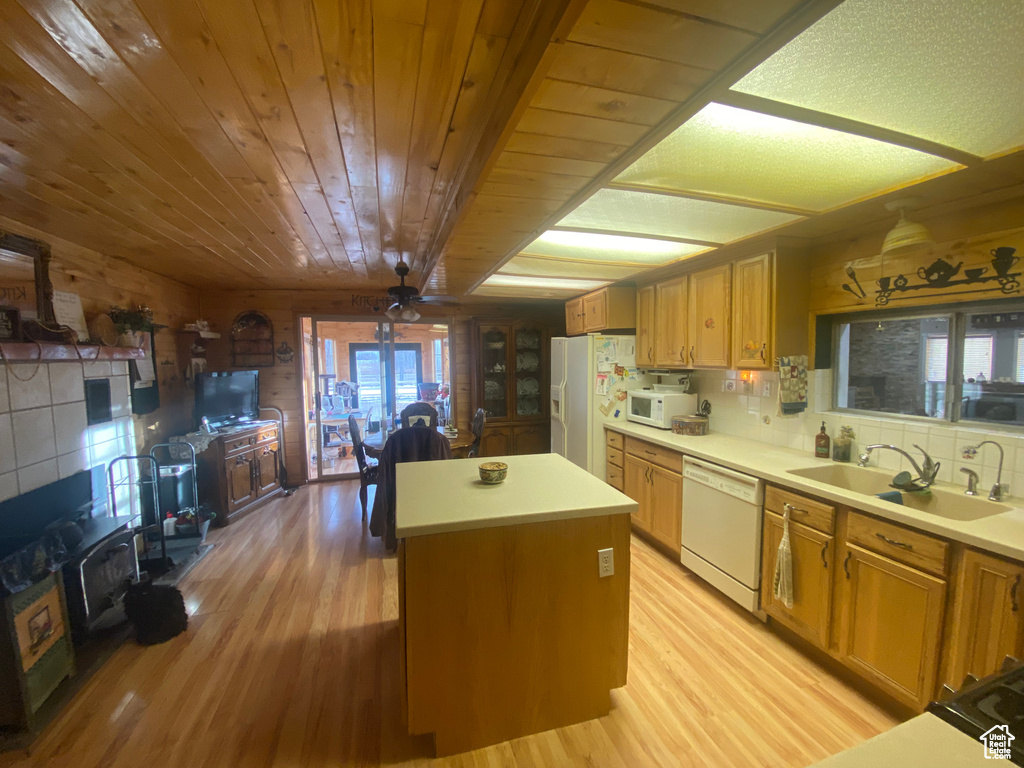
999	490
972	481
925	473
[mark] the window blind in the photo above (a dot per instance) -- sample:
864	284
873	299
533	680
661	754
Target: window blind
978	357
935	353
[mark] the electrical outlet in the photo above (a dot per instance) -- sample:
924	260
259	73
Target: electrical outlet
730	385
766	389
605	562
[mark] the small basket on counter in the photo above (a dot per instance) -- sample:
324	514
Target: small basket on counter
695	426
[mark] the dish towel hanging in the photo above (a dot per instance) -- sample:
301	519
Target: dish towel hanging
783	583
793	384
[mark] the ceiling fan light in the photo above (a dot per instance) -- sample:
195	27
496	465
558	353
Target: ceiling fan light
393	312
906	237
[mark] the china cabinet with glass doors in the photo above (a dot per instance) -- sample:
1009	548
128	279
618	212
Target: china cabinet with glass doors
511	385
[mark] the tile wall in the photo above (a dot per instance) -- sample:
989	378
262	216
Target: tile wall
43	430
743	411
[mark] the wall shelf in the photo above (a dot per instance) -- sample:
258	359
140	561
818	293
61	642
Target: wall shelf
48	351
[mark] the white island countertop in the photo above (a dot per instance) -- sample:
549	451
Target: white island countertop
1001	533
447	496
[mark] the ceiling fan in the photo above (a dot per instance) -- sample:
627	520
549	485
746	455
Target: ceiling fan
407	295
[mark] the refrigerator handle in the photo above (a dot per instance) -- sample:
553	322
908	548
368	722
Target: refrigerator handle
563	412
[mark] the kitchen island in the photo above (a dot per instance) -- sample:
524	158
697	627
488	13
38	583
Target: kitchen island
507	628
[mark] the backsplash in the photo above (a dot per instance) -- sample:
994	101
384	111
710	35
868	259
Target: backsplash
742	412
43	431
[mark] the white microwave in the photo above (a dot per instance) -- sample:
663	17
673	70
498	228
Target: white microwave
656	409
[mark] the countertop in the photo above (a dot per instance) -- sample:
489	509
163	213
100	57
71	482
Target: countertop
447	496
1001	533
923	742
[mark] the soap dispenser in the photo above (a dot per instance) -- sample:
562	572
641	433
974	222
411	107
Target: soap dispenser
821	443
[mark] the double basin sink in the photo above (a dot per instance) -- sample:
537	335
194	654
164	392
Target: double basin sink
951	504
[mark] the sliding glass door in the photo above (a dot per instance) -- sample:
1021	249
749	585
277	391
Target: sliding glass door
370	371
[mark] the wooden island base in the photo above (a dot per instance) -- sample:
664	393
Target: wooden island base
509	631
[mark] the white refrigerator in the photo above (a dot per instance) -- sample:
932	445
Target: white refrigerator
589	378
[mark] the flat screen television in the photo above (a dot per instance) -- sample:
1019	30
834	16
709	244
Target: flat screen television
227	397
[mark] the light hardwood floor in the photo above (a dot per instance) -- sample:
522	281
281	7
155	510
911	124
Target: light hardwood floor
291	654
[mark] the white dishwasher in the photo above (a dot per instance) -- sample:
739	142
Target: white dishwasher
721	529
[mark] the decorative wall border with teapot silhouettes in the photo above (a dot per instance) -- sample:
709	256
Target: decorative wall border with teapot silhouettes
942	274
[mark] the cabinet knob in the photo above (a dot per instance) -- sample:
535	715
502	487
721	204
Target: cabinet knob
824	550
691	354
846	563
1014	605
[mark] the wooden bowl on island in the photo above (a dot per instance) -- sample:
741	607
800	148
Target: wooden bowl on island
493	472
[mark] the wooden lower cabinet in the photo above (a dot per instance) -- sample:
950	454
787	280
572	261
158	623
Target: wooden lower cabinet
238	479
988	623
813	564
659	494
666	503
890	624
531	438
635	485
239	471
496	441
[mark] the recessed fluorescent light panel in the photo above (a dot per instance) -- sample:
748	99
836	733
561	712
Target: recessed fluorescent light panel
667	215
737	153
592	246
944	70
552	283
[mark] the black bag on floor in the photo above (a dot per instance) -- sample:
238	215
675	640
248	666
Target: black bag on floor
158	612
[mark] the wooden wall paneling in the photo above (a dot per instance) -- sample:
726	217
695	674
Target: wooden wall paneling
281	385
593	101
103	282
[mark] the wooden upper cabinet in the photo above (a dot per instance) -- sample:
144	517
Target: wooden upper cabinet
987	617
574	317
710	318
608	308
752	312
671	318
645	326
595	311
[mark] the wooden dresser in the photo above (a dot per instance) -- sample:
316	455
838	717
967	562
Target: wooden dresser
240	471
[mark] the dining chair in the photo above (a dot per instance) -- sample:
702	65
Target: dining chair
419	415
416	444
477	428
367	471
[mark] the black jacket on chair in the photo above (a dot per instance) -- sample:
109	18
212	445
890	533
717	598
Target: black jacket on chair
408	444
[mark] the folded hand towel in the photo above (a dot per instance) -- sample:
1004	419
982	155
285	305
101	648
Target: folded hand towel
792	384
782	586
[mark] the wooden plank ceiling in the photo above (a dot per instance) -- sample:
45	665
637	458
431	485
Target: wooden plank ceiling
256	143
313	143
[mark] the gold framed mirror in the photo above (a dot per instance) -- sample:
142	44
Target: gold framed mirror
25	277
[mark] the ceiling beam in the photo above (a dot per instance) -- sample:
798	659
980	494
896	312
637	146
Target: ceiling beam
782	33
711	198
836	123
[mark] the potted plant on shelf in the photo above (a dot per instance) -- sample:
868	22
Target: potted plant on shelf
132	323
